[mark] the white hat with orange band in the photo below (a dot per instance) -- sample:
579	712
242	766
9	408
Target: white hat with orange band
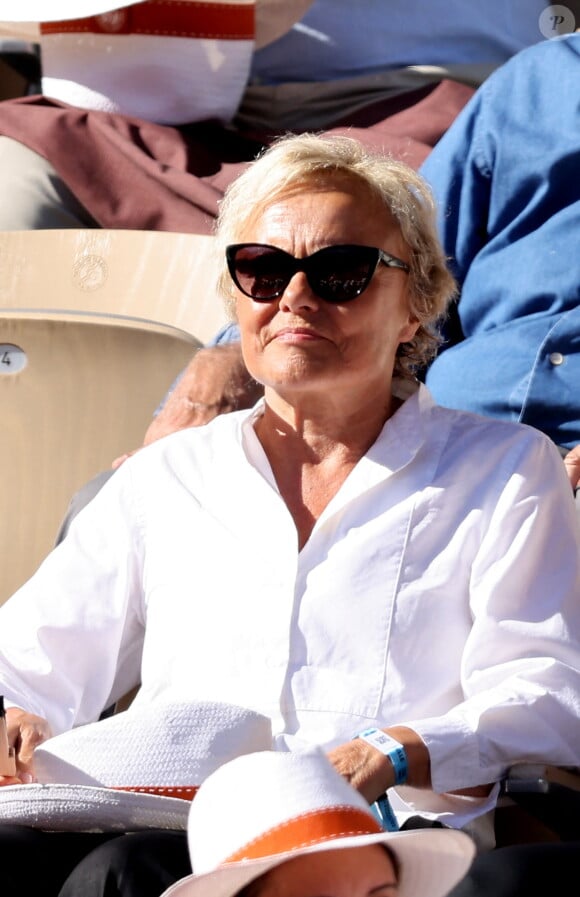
171	63
259	810
273	17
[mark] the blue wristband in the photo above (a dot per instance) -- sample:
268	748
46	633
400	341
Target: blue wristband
392	749
383	812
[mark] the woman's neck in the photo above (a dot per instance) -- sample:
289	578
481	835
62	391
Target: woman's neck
312	449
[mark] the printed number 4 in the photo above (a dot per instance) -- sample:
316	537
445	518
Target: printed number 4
6	358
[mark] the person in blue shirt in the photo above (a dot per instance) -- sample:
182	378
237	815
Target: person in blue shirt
505	178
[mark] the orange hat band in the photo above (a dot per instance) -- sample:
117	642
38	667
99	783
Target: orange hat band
308	829
167	18
184	792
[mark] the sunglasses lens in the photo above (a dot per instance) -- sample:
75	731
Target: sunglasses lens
261	272
336	274
341	273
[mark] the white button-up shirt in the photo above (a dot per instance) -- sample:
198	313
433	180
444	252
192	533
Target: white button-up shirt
440	589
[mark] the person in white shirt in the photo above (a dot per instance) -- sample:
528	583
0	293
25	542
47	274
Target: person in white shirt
346	557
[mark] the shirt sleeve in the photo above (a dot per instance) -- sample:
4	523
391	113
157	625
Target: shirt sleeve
71	637
520	671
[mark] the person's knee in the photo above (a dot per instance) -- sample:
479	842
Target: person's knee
34	196
55	854
139	864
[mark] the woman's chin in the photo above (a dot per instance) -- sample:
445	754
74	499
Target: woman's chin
295	374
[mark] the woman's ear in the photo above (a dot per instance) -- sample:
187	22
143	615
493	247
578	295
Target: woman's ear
409	329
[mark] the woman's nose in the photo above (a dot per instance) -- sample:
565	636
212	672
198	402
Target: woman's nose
298	295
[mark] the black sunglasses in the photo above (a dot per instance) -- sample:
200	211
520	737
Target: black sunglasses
336	273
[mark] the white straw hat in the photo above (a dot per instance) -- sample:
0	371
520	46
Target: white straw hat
136	769
259	810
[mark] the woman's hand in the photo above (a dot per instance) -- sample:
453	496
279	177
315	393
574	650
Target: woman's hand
371	772
25	732
366	768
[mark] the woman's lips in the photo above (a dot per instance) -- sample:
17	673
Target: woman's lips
297	334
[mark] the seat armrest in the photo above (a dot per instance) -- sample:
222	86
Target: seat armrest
550	793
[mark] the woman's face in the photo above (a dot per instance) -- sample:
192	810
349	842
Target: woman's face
355	872
299	343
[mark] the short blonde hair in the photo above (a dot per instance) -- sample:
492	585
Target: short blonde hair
297	160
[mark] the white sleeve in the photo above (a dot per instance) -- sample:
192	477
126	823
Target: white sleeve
520	671
71	637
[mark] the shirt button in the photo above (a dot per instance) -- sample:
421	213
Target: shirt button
556	358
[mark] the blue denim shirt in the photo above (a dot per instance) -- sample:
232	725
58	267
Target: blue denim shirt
506	177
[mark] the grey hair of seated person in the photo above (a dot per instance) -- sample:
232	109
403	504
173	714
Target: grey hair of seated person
293	163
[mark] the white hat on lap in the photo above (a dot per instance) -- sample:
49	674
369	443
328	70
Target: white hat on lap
135	770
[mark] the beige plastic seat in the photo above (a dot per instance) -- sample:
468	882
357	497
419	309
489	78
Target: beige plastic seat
76	391
159	276
106	319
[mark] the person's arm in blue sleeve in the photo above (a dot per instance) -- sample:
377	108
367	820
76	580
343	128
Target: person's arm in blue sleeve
459	172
